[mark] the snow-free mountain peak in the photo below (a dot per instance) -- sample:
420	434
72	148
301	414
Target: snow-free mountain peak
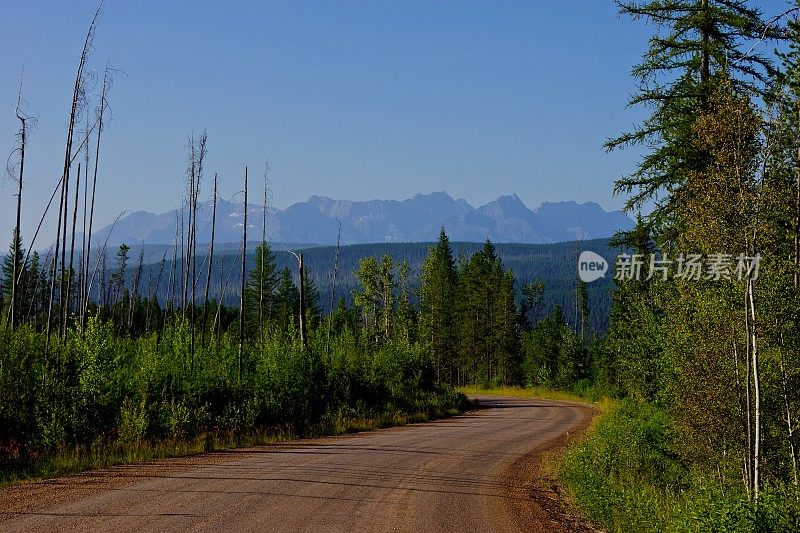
506	219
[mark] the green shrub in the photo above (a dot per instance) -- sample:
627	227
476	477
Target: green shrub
626	477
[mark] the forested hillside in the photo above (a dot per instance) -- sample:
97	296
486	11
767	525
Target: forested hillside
552	264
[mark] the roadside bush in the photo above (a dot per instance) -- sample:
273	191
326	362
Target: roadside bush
102	389
626	477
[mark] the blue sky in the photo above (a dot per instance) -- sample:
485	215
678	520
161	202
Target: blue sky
347	99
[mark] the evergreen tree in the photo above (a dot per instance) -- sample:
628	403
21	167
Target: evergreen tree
437	312
368	299
583	307
8	270
696	44
405	323
487	319
259	292
117	281
313	304
531	303
287	302
31	303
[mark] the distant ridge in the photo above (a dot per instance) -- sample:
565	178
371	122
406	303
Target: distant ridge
417	219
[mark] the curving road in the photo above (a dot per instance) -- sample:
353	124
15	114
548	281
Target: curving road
467	473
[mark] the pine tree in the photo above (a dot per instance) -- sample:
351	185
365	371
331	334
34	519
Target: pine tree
696	44
117	280
287	302
313	303
259	293
437	309
583	307
368	299
7	286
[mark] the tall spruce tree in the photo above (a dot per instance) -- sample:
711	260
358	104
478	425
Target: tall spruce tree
259	293
696	43
15	251
437	312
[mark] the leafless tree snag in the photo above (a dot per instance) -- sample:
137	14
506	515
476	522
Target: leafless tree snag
244	270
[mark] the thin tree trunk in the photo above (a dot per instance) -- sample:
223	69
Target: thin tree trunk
303	333
190	194
72	251
241	293
17	235
102	289
196	192
173	277
68	148
333	287
133	296
183	262
210	261
748	398
82	297
789	427
106	85
756	391
217	326
64	281
55	267
263	255
797	213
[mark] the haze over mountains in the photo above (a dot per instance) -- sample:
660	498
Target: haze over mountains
506	219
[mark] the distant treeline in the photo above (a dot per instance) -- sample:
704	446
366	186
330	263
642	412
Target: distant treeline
552	264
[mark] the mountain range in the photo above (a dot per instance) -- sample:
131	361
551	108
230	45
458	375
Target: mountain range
417	219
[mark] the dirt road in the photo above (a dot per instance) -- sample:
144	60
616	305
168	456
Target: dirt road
474	472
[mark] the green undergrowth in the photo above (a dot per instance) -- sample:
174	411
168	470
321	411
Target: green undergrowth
100	398
627	476
70	460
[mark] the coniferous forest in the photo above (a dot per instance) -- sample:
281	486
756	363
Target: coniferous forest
103	357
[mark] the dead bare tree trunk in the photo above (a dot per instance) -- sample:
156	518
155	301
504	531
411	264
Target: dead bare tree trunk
217	326
241	292
72	251
54	277
183	261
173	287
17	228
263	255
303	333
196	192
190	171
148	293
210	261
63	285
133	297
102	258
102	300
100	115
333	286
169	305
82	281
76	94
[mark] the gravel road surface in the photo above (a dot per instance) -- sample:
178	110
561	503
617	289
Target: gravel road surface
474	472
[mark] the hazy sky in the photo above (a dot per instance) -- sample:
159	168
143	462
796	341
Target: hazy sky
347	99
